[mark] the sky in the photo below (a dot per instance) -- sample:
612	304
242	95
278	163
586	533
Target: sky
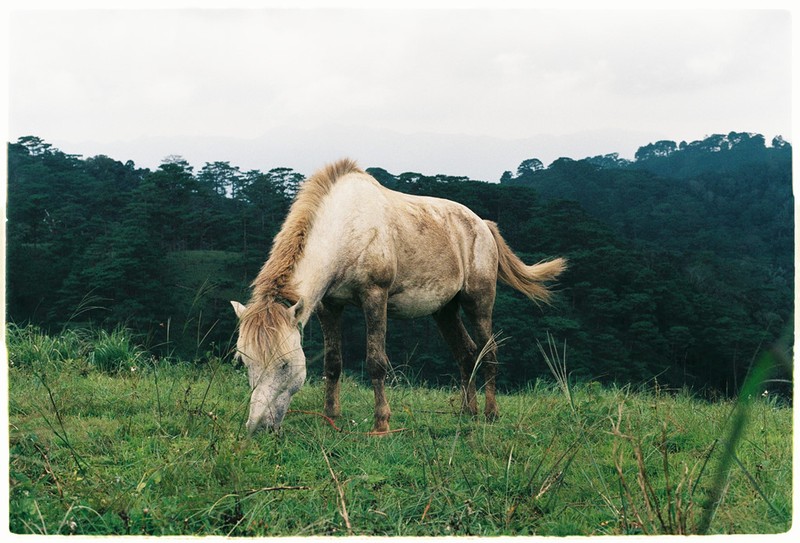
454	91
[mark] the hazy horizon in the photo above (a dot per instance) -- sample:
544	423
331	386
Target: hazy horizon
479	158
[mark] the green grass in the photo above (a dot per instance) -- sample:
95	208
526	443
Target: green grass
160	448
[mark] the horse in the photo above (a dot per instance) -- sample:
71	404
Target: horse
347	240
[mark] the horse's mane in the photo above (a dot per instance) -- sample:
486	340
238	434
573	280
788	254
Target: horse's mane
274	279
265	314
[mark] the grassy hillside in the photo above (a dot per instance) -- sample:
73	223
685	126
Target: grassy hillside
105	440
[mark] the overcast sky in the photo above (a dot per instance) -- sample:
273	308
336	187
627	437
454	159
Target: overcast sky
460	92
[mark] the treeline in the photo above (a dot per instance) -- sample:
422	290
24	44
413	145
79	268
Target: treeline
681	262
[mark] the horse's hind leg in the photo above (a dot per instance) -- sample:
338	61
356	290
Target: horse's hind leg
479	312
463	348
374	305
330	319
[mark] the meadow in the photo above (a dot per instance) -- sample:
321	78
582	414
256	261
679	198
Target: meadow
105	439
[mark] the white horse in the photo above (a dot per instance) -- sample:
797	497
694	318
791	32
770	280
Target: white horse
349	240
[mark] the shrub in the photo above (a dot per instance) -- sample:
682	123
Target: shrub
30	347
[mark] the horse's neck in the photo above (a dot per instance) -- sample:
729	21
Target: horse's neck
342	229
315	271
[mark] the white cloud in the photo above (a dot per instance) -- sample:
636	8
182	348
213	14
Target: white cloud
105	76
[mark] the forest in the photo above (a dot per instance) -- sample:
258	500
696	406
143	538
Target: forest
681	260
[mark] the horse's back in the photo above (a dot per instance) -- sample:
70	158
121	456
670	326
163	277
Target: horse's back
442	248
423	251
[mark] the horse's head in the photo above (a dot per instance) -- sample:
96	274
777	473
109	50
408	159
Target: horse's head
269	344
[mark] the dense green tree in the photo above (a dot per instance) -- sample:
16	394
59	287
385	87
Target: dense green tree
286	180
681	261
659	149
220	177
529	165
124	269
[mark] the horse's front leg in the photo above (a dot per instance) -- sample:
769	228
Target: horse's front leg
374	305
330	319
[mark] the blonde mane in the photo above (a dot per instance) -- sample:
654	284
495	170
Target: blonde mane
266	315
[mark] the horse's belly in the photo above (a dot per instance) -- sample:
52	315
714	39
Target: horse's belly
412	303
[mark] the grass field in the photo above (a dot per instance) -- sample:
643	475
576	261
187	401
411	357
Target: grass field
105	440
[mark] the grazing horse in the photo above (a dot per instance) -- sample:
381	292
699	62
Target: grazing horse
349	240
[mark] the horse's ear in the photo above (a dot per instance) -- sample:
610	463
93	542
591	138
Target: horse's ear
296	310
238	308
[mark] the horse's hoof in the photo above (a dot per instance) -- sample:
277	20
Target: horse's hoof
380	428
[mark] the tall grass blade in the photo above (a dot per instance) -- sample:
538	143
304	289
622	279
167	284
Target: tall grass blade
494	343
89	302
557	363
62	435
739	419
757	487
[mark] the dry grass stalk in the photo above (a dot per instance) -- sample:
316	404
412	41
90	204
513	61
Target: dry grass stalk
340	490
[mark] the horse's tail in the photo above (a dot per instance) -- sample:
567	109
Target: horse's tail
527	279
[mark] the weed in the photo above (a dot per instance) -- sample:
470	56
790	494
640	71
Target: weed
114	352
557	364
659	507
